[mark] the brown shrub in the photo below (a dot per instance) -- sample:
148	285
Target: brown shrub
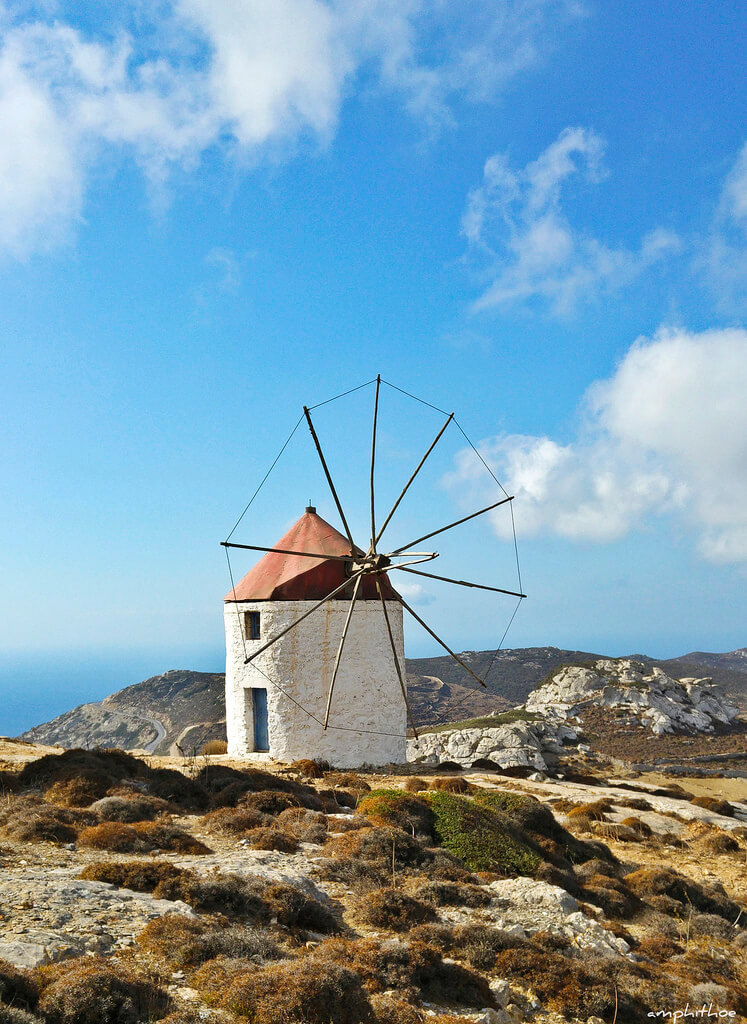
91	990
379	846
130	808
28	819
79	790
347	780
268	838
140	875
15	1015
658	948
414	784
240	895
711	899
308	769
452	894
413	969
596	810
387	807
612	895
214	747
637	804
580	823
390	1010
452	784
293	907
269	802
114	836
712	803
305	826
319	993
233	820
140	838
186	942
639	827
51	768
359	875
390	908
177	789
17	987
162	835
566	986
718	843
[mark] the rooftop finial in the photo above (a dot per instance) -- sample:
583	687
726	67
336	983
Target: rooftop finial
310	507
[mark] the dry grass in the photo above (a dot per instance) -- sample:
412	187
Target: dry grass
595	811
130	808
712	803
140	838
90	990
28	819
710	899
319	993
719	842
452	784
413	970
184	942
392	909
309	769
233	820
270	838
16	986
214	747
305	826
414	784
394	807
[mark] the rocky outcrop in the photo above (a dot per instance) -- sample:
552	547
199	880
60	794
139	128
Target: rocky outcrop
651	699
548	722
516	744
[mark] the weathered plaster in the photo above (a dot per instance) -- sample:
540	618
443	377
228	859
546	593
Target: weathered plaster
368	717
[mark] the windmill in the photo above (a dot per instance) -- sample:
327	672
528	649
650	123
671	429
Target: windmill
320	620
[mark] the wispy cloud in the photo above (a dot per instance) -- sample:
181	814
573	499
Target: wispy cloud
666	434
522	239
725	255
244	75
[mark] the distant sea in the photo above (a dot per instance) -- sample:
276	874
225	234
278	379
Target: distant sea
35	687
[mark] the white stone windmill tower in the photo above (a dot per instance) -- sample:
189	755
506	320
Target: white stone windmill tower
315	663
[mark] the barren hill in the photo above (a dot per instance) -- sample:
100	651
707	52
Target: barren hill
184	709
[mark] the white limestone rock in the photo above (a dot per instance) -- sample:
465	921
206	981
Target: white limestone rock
527	744
652	697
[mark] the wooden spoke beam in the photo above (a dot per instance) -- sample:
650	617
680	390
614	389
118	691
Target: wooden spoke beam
438	640
459	583
305	615
287	551
409	482
343	638
344	521
373	461
451	526
402	684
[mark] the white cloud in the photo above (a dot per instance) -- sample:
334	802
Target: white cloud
515	225
246	75
666	434
725	258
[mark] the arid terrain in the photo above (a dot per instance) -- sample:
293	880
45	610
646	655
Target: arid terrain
209	889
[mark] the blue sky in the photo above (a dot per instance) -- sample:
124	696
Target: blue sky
533	213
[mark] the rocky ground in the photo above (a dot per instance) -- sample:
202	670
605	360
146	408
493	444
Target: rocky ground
229	892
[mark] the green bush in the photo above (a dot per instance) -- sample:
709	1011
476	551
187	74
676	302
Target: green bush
484	839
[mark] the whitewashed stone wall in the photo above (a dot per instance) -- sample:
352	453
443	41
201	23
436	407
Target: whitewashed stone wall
367	698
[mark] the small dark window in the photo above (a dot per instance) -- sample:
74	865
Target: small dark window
251	625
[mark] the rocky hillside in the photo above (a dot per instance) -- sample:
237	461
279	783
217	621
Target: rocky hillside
626	699
184	709
177	709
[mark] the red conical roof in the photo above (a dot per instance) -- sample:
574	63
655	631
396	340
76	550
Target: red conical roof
278	577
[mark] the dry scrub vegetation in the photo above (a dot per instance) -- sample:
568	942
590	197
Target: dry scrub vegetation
406	923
